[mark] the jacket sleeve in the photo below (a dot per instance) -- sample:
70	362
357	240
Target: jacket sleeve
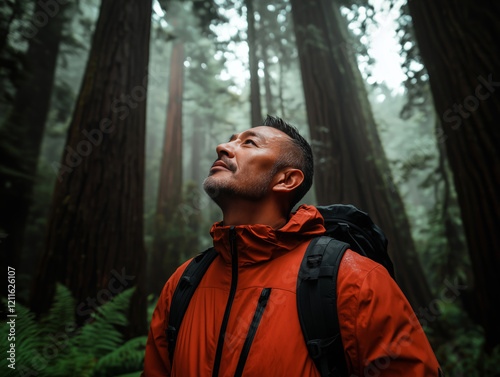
390	340
156	360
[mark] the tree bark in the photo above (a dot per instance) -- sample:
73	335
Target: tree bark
22	133
168	244
253	61
280	88
267	83
351	166
459	45
196	149
94	242
453	232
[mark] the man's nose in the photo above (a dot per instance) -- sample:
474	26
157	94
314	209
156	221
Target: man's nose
225	149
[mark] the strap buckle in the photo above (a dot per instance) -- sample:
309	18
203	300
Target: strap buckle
314	348
171	333
318	347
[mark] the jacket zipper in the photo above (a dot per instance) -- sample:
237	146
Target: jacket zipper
232	293
261	306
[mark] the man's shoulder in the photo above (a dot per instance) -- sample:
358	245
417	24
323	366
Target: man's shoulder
354	270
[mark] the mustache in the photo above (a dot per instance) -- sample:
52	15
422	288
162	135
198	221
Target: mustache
231	166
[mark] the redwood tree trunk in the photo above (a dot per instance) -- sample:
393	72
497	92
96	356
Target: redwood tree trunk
267	83
253	61
21	134
168	235
94	242
280	88
197	148
351	166
460	47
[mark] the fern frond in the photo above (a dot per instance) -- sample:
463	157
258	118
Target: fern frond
135	374
61	312
71	363
28	340
116	310
128	357
48	349
101	336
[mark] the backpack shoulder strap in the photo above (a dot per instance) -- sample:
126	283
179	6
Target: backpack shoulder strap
188	283
317	304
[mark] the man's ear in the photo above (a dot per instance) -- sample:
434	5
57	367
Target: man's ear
288	180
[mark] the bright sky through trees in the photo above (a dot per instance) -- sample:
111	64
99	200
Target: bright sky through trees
381	39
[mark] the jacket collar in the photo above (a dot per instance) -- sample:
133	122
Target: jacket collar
258	243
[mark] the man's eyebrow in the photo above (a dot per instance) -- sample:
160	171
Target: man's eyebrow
248	133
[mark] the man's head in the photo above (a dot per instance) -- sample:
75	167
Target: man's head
272	159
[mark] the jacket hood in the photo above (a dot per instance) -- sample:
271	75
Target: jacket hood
258	243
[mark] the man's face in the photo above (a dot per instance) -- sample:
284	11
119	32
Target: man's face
245	164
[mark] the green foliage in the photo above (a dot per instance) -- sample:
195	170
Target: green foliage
129	356
416	82
26	341
55	346
60	313
13	18
463	354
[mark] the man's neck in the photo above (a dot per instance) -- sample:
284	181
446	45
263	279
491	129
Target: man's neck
244	212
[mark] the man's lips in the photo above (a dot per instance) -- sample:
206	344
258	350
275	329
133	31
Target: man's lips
220	164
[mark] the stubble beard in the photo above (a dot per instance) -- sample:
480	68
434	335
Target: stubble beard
249	188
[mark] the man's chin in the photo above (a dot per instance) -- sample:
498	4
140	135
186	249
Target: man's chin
212	186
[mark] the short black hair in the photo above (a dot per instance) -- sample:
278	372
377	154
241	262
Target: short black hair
300	156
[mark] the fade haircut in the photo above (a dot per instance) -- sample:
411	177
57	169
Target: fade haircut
299	156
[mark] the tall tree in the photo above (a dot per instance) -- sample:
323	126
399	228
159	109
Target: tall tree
94	242
167	243
267	39
460	47
253	61
196	149
22	131
267	83
351	164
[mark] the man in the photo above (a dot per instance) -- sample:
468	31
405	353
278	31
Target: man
242	318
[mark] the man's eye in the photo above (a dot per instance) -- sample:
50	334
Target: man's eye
249	141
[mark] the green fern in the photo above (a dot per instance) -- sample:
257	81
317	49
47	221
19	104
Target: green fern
135	374
52	347
129	357
61	313
103	326
28	339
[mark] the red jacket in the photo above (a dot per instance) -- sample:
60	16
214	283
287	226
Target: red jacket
380	334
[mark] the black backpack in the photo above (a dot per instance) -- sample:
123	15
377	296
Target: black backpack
346	228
